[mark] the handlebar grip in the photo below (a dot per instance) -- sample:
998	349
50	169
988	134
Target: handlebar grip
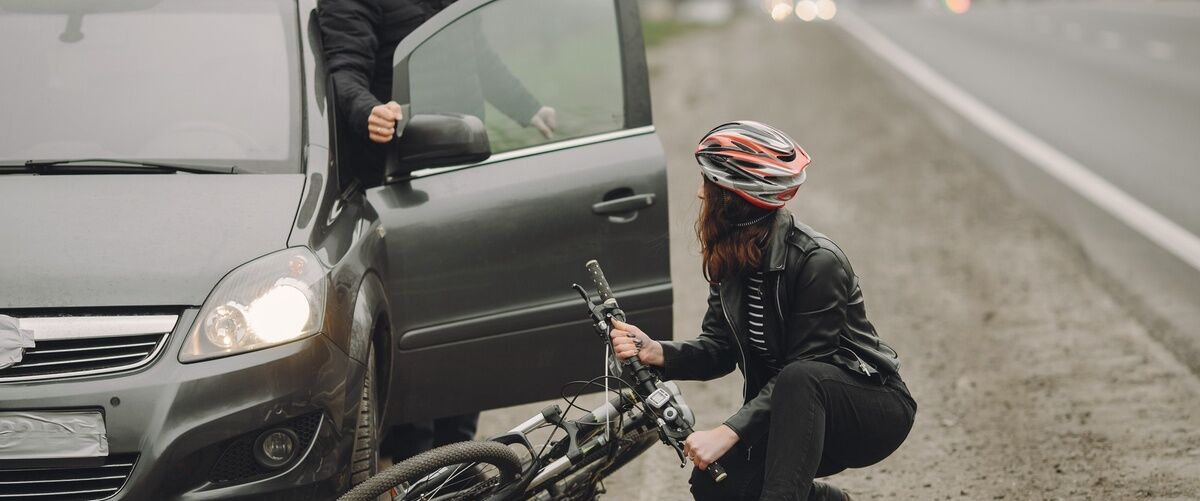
716	471
602	287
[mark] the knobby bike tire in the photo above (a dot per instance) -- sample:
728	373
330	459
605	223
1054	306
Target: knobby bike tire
417	467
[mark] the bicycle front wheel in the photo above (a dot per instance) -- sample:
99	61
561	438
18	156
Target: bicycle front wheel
461	471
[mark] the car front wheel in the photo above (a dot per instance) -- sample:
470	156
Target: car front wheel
366	435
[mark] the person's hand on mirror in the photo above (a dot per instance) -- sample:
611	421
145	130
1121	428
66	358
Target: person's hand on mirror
545	121
381	125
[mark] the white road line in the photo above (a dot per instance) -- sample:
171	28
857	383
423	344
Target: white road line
1154	226
1160	50
1111	40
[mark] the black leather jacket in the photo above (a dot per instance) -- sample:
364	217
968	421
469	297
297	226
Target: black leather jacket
359	37
819	314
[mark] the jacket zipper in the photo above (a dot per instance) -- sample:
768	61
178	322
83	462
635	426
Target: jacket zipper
862	364
779	315
738	342
742	355
778	305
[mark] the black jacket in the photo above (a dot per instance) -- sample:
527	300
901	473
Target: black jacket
460	71
818	314
359	37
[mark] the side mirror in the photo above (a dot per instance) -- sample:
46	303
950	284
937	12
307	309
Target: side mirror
437	140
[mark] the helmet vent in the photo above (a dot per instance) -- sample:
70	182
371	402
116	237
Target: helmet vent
742	147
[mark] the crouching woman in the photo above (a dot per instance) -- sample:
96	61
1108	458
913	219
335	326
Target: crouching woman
822	392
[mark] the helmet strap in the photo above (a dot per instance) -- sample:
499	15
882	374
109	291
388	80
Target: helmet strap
754	221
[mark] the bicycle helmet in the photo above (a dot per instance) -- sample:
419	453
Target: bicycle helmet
756	161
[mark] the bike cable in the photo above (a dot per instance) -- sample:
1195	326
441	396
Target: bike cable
608	349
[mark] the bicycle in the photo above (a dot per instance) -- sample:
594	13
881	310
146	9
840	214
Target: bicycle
645	410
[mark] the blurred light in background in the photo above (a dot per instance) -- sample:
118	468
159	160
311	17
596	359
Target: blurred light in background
781	10
806	10
826	9
958	6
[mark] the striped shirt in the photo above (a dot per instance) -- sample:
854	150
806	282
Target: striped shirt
756	316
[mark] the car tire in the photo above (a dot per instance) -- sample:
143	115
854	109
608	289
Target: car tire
365	462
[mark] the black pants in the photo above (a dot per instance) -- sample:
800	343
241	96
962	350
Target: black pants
824	419
407	440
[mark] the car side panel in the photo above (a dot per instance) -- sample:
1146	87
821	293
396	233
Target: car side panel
480	263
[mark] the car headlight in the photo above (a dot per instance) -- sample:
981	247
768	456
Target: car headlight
272	300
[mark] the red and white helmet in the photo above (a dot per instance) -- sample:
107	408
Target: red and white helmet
758	162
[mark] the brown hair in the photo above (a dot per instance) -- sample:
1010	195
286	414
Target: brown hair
727	249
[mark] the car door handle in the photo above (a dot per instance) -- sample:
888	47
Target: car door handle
625	204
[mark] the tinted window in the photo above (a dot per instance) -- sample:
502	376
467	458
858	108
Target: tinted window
508	59
195	81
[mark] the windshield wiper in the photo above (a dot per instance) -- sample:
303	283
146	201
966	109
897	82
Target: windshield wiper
46	166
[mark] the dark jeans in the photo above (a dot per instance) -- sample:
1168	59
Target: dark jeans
824	419
407	440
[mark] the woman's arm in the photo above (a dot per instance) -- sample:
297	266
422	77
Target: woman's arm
817	310
499	86
709	356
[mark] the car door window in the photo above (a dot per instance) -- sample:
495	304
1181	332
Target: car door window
535	71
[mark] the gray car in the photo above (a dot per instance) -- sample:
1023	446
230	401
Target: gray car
199	301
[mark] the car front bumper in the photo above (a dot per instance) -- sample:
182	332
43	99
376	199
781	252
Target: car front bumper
180	419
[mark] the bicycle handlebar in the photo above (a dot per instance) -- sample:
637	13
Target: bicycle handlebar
602	287
645	377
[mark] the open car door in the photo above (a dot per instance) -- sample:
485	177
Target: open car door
481	256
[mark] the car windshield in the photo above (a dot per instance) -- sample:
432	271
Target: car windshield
199	82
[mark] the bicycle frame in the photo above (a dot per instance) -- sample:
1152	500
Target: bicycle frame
586	451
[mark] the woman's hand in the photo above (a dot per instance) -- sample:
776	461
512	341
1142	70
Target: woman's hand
705	447
628	340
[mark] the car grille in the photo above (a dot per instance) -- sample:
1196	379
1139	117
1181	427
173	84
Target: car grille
68	484
73	346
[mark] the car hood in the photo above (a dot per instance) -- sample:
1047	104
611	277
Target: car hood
135	240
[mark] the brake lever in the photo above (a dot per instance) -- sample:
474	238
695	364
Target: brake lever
584	294
599	313
678	451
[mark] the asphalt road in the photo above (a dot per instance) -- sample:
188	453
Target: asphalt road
1114	86
1033	381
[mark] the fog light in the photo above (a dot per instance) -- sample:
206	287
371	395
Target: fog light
275	447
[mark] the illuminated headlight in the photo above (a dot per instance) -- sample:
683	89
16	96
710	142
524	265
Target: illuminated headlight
272	300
